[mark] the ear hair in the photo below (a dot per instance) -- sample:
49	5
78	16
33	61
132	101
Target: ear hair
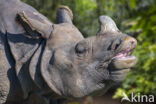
64	15
34	23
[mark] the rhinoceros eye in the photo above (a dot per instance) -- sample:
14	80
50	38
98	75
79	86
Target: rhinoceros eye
80	48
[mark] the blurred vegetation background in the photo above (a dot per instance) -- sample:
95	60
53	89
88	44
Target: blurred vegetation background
134	17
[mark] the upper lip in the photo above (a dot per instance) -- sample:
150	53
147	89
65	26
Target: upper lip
125	52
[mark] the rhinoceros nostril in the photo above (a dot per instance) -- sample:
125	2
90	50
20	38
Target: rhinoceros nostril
131	41
117	45
114	45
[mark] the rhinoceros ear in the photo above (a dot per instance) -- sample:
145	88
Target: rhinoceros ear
34	23
64	15
107	25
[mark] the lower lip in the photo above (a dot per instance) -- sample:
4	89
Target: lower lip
123	62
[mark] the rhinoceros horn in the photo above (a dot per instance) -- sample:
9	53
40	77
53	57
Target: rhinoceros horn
107	25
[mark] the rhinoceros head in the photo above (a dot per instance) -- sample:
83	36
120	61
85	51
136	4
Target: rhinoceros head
74	66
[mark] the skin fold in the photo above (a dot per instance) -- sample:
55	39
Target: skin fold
44	61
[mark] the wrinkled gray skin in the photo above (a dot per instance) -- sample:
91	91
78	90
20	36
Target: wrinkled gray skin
41	61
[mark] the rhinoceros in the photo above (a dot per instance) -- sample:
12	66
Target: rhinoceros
41	61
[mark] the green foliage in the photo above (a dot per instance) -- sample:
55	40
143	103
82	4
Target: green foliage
136	17
142	79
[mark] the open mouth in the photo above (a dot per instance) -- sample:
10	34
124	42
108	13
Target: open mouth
124	54
127	49
123	59
121	64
